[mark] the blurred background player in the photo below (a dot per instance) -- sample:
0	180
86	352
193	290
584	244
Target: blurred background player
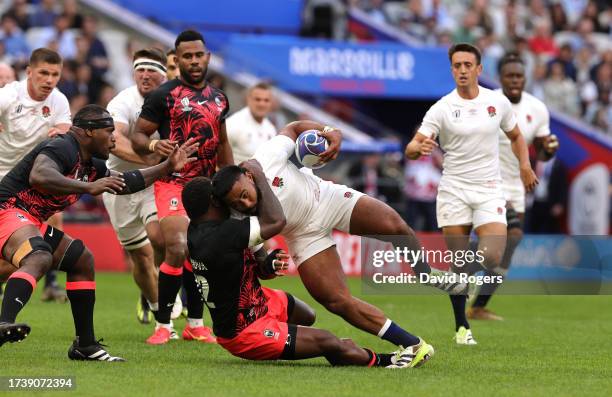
51	177
234	259
134	216
182	108
467	122
250	127
172	70
533	120
30	111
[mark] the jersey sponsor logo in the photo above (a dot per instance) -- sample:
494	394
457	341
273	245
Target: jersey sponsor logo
491	110
278	182
202	102
185	103
46	112
174	204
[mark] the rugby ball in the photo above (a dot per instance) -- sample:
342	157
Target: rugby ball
308	146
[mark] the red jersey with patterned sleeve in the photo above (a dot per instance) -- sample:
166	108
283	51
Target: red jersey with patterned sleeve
15	188
184	112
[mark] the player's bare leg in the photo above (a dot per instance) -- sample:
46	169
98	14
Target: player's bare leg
323	277
478	311
302	314
145	276
53	291
372	217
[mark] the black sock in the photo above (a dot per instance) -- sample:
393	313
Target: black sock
51	278
82	296
486	291
378	359
17	292
169	284
195	303
458	302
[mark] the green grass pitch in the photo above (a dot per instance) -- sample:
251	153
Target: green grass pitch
547	346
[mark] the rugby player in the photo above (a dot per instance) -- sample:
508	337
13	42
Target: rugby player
48	179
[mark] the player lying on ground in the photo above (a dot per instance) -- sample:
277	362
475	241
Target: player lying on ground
251	321
314	208
50	178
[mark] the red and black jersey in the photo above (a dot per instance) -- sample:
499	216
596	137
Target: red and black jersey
226	274
184	112
15	189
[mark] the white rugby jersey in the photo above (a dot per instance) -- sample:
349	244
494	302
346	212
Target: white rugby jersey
27	122
469	135
297	191
534	122
125	108
245	134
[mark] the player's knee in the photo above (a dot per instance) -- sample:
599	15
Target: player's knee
175	253
308	317
39	262
338	304
85	264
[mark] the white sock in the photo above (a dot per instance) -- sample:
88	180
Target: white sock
153	306
195	322
168	326
384	328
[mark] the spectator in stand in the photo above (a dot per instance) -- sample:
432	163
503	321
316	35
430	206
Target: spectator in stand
60	34
68	84
550	198
558	18
14	41
597	111
44	14
542	41
566	58
376	11
469	29
71	11
97	56
595	13
560	92
20	12
7	74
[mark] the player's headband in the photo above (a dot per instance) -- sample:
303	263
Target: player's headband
147	63
103	122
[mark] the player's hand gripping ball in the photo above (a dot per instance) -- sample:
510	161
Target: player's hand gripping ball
308	146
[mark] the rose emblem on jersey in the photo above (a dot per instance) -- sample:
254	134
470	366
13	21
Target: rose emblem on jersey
529	118
277	182
491	110
46	112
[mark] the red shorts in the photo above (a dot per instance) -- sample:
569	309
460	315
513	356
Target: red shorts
13	219
268	336
168	200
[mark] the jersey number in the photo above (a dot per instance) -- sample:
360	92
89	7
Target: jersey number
204	289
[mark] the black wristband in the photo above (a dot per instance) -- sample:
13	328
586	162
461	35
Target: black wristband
134	181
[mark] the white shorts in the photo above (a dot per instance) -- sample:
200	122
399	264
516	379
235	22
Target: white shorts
458	206
333	211
515	196
129	214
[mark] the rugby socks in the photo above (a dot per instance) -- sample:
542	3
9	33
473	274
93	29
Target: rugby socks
195	303
486	291
17	292
169	284
458	302
378	359
82	296
395	334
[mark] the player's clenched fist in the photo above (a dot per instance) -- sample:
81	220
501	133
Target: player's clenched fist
427	147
